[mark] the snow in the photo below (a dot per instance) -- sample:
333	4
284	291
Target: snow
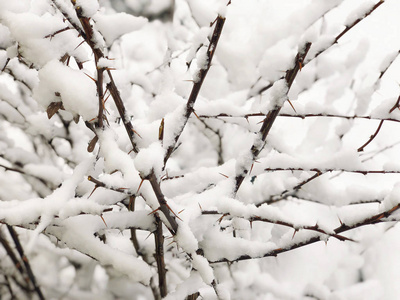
89	7
308	182
114	26
150	159
77	91
359	12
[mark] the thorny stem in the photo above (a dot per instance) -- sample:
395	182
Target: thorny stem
348	27
98	54
364	172
135	242
315	228
271	116
122	111
173	225
202	73
340	35
301	116
378	218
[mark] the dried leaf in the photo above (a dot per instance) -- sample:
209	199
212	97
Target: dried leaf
161	131
53	108
92	144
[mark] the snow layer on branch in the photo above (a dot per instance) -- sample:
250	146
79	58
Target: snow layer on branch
190	286
359	12
276	96
150	159
15	212
219	245
30	31
78	233
77	91
89	7
116	25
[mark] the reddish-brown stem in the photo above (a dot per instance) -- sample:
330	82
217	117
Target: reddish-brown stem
371	137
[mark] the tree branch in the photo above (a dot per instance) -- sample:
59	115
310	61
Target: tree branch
202	73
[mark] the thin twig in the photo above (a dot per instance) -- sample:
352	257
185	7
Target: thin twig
378	218
321	170
27	265
301	116
371	137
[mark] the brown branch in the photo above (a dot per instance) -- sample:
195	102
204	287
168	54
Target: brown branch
27	265
363	172
159	256
388	66
202	73
271	116
348	27
13	257
164	208
302	116
378	218
122	111
115	189
135	242
296	228
339	36
70	20
372	137
396	105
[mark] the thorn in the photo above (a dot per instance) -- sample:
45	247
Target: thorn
90	77
200	207
148	236
173	212
154	211
292	106
341	223
101	216
213	22
181	211
196	114
171	243
294	233
136	133
223	175
140	185
251	168
93	189
220	219
79	44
